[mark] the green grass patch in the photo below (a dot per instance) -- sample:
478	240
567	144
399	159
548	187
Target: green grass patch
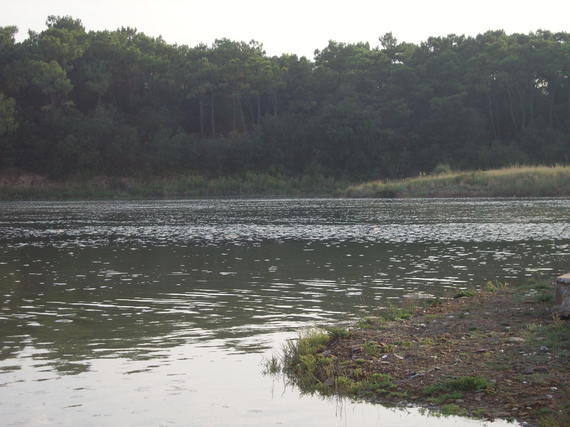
458	384
464	293
555	336
336	332
452	409
443	398
370	348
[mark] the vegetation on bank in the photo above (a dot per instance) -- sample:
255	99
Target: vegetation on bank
521	181
30	187
121	103
497	353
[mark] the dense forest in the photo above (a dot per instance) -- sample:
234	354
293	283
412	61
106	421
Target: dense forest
120	103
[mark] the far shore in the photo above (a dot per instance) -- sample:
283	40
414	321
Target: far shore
522	181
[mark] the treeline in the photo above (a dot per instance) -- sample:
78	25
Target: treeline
121	103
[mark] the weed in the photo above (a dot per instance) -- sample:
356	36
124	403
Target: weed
544	297
556	419
458	384
398	394
369	322
308	343
438	400
397	313
464	293
373	385
532	327
337	332
271	366
431	302
427	341
358	373
452	409
555	336
371	348
344	385
496	286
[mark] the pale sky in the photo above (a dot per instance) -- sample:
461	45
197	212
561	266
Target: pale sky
294	26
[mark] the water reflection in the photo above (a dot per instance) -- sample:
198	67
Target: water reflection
129	284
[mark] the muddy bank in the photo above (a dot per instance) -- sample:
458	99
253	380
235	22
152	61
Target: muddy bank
497	354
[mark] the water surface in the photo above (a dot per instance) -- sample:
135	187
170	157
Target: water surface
160	312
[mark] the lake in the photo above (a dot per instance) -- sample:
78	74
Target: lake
159	313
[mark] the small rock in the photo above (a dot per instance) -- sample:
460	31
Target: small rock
481	350
515	339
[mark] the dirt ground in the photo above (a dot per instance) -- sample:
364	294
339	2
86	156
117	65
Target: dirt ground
509	338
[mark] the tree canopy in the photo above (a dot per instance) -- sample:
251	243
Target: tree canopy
119	102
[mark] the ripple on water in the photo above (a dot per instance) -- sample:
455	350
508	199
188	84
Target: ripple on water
132	294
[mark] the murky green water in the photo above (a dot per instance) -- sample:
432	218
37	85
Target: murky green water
160	313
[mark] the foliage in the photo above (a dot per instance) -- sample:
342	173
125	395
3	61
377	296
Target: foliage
120	103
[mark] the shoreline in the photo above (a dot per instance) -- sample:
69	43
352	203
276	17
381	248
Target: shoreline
495	354
514	182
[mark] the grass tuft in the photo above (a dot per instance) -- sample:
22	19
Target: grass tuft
458	384
464	293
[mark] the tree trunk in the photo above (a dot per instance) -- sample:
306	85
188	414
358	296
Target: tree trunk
234	120
201	105
491	114
212	115
551	106
275	110
241	114
512	111
258	109
523	108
